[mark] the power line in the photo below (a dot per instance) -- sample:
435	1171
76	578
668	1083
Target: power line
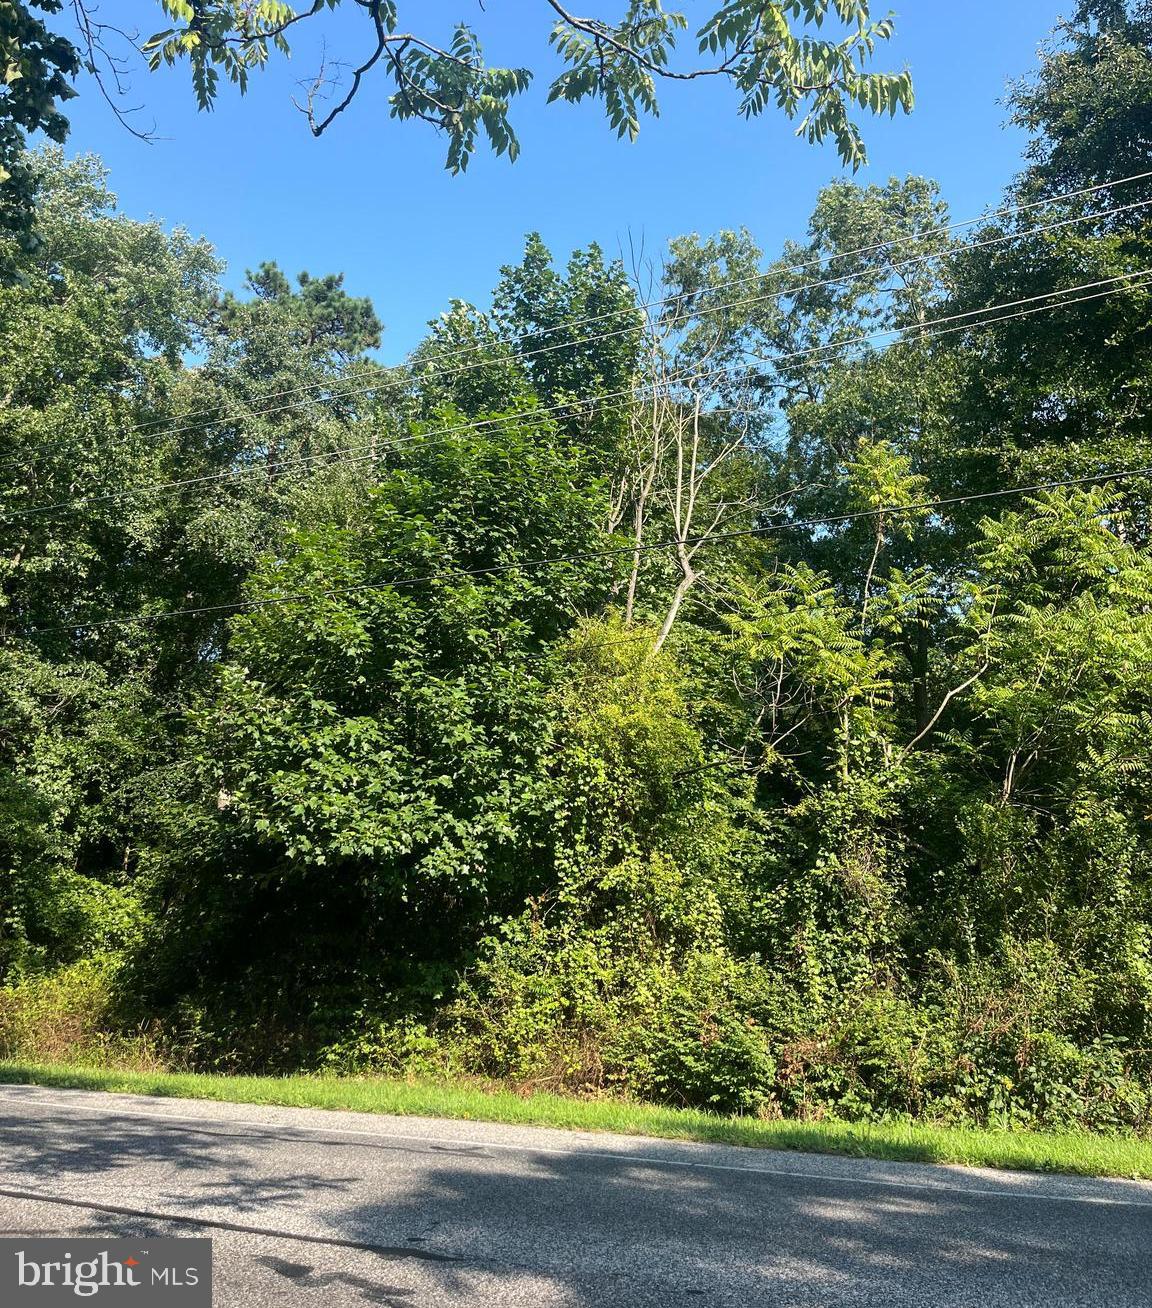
587	556
443	433
686	316
359	454
801	267
333	391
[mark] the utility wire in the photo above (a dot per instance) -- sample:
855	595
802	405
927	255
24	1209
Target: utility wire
685	317
334	391
587	556
801	267
360	453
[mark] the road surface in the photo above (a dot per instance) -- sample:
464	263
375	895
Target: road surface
338	1209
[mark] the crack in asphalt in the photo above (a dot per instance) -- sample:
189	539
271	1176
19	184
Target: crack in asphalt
392	1252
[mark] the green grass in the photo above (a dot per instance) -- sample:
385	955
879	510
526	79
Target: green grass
1082	1153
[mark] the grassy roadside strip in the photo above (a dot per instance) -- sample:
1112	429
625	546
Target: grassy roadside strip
1081	1154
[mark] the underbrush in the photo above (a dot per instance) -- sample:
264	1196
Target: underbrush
984	1047
70	1016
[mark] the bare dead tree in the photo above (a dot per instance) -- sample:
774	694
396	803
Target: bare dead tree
682	434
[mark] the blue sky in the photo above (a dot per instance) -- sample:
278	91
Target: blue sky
371	197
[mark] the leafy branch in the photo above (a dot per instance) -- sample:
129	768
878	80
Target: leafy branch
765	48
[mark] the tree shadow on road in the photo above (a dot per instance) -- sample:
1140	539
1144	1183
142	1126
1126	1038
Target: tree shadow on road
601	1231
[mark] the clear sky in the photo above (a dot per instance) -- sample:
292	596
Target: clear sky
370	198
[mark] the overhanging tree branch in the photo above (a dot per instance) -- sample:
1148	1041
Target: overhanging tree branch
768	52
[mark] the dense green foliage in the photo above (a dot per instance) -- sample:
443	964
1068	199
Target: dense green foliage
36	68
623	696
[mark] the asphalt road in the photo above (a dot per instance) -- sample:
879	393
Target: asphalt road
335	1209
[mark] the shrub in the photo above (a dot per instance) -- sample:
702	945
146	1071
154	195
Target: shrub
71	1016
